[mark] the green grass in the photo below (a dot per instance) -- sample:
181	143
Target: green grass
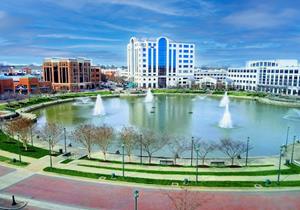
168	182
38	99
11	145
66	161
156	164
11	162
292	170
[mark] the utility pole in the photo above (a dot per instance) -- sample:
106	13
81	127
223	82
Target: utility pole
141	149
293	149
287	136
247	152
192	150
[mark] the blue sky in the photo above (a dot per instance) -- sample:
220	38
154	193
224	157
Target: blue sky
226	32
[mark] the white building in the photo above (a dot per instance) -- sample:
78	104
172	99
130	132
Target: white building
160	63
273	76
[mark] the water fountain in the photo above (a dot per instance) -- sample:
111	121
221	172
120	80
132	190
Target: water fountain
99	108
224	101
292	114
149	96
226	121
83	101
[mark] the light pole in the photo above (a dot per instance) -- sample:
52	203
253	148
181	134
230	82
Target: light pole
50	153
293	149
65	140
247	151
123	161
141	149
287	136
192	150
197	169
19	148
136	195
279	167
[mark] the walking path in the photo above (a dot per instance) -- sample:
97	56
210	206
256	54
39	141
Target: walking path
62	193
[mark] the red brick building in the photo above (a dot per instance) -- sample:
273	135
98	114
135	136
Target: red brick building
96	76
6	84
68	74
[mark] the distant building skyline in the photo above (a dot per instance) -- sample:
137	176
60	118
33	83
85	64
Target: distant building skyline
225	33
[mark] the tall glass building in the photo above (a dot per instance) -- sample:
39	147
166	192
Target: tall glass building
160	63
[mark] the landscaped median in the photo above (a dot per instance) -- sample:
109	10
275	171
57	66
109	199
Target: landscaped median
140	180
293	169
11	145
12	161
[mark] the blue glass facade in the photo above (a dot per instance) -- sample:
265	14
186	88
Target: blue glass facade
149	60
174	61
162	56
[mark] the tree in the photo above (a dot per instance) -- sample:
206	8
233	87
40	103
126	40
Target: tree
187	200
177	146
21	126
85	135
10	128
51	133
204	148
129	137
232	148
151	142
103	136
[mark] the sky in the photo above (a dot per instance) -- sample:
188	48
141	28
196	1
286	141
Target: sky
226	32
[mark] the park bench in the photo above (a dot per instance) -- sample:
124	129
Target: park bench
217	163
166	162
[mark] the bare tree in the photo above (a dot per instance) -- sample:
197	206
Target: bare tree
177	146
187	200
10	128
151	142
103	138
85	135
21	126
204	147
232	148
129	137
51	133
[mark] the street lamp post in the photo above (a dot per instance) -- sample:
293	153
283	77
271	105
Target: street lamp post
141	150
50	152
136	195
65	140
197	167
293	149
123	161
19	148
247	151
287	136
279	166
192	150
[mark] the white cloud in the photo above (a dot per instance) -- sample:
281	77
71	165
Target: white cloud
260	18
165	7
69	36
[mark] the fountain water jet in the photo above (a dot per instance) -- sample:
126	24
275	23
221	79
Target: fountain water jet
149	96
99	108
226	121
224	101
292	114
83	101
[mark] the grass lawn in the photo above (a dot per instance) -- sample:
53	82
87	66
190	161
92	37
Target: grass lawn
10	161
156	164
168	182
11	145
66	161
292	170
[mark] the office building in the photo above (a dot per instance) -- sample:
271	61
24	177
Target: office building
160	63
67	73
